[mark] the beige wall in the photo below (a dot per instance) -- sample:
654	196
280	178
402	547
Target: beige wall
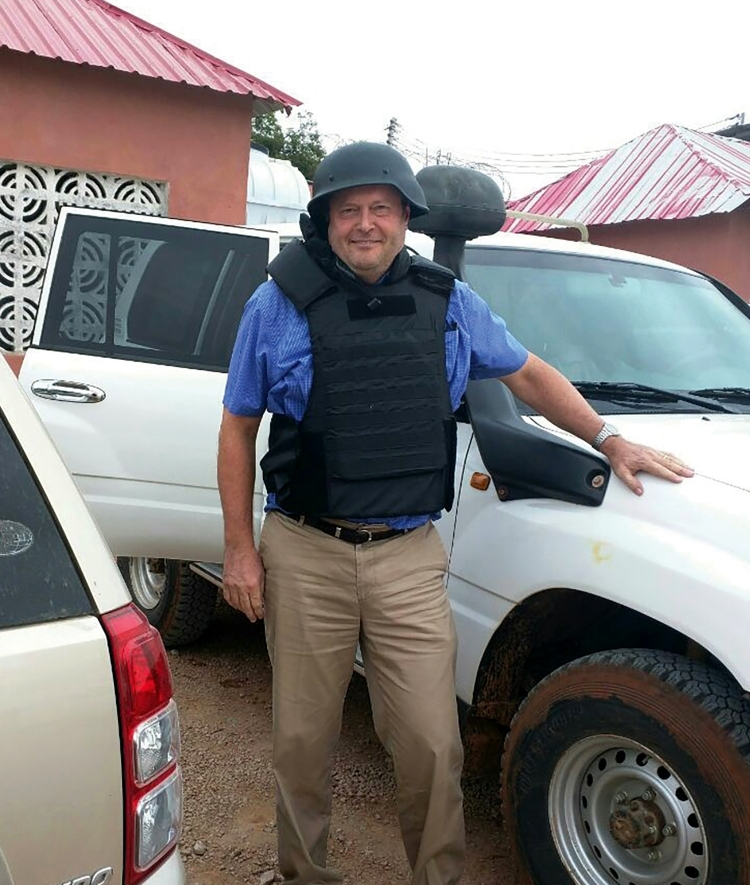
99	120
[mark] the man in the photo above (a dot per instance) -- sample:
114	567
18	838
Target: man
362	353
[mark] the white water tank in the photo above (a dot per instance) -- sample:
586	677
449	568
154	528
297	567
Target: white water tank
276	190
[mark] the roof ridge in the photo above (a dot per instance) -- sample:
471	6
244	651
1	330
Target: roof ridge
108	8
577	171
696	149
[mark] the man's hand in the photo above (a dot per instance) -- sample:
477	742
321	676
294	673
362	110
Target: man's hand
629	458
243	583
243	569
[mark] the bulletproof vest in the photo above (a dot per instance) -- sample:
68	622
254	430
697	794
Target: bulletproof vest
378	437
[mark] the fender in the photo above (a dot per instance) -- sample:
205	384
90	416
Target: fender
677	555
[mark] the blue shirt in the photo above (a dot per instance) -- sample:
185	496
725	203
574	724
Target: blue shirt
272	365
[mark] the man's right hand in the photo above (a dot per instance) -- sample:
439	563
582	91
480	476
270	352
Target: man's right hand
243	583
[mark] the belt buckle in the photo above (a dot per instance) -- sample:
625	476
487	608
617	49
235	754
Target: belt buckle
367	533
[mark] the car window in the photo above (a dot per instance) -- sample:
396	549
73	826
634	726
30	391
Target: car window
151	292
597	319
38	580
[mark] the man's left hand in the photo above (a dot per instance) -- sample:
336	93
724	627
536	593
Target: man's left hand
628	459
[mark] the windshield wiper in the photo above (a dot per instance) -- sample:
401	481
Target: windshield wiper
631	390
741	394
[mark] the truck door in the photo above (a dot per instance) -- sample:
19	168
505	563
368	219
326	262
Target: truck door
128	364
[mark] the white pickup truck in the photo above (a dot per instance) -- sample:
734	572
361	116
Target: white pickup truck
604	637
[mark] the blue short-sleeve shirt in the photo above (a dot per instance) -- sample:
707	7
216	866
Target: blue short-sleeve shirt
271	367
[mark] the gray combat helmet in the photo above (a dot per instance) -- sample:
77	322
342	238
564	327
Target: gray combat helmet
363	163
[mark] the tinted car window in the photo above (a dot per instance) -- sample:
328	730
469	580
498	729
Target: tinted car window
153	292
38	580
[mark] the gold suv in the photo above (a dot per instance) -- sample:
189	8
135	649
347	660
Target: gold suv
89	737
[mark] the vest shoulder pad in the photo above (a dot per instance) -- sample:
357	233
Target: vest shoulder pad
298	276
432	276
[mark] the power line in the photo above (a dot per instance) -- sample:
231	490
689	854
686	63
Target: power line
724	122
561	158
494	163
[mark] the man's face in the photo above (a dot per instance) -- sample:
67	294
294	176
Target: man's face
367	228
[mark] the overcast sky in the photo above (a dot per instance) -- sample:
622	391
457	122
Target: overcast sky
490	79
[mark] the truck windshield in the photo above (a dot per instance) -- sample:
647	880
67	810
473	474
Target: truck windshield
597	319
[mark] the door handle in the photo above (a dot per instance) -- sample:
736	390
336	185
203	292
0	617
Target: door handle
67	391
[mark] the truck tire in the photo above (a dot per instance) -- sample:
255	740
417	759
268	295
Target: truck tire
174	599
630	767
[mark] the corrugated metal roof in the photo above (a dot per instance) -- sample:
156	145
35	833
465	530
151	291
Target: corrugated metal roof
96	33
670	172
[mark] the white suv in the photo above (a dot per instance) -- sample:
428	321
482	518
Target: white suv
603	637
89	744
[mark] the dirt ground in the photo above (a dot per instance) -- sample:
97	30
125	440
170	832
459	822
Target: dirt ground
222	686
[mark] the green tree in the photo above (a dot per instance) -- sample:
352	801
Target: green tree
302	145
268	133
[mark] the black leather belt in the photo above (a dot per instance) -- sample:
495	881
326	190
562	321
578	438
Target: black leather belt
351	536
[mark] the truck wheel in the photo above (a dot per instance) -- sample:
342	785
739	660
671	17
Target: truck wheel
630	767
174	599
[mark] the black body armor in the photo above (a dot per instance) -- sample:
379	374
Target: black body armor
378	438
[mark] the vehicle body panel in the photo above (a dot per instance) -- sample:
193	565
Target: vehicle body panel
60	762
687	540
131	464
715	445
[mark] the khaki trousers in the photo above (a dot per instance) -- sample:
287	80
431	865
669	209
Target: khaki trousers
323	596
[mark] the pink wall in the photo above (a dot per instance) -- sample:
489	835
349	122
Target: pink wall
718	245
99	120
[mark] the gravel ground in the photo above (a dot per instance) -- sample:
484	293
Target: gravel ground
223	690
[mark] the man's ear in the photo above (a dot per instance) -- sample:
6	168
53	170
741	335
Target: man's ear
407	212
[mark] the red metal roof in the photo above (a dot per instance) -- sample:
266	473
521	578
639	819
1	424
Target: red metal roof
670	172
94	32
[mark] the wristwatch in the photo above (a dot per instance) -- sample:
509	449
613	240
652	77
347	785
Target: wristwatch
604	434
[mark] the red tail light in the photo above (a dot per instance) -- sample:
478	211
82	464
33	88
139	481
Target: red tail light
150	741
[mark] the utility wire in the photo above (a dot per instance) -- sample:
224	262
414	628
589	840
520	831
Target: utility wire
496	164
724	123
571	158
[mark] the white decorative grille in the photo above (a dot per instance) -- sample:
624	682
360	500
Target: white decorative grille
30	201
